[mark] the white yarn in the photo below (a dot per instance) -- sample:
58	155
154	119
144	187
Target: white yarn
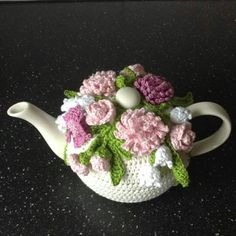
180	115
149	176
83	101
61	124
163	157
129	189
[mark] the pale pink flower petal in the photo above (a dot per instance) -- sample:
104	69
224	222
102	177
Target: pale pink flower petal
99	163
137	69
100	112
142	131
182	137
100	83
76	166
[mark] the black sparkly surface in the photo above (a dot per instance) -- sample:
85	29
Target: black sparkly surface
46	48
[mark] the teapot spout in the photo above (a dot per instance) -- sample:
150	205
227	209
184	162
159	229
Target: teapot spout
43	122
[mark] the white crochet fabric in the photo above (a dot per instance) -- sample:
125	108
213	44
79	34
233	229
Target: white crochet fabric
180	115
163	157
129	189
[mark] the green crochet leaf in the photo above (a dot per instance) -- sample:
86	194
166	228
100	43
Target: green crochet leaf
182	101
152	158
179	171
86	156
117	170
64	155
120	81
70	93
159	110
126	78
103	152
98	97
117	148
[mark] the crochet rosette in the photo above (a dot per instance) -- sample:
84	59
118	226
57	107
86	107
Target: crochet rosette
127	154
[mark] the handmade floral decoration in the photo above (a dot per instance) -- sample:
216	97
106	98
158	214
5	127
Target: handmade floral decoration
155	89
142	131
100	83
76	166
115	119
182	137
100	112
77	128
99	163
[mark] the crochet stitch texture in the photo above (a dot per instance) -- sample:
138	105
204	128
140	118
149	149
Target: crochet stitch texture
127	154
155	89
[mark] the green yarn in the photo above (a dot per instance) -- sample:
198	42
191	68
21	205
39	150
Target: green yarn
98	97
127	78
179	171
182	101
103	152
120	81
64	155
158	110
86	156
70	93
152	158
108	147
117	170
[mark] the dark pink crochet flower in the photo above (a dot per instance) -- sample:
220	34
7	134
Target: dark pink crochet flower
77	127
154	88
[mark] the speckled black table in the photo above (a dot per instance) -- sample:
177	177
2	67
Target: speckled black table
46	48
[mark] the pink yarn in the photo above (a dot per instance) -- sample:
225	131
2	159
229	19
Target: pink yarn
76	126
99	163
100	83
100	112
182	137
143	132
154	88
76	166
137	69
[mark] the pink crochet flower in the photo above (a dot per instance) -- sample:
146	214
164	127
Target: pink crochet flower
154	88
76	166
137	69
76	126
100	112
99	163
182	137
100	83
142	131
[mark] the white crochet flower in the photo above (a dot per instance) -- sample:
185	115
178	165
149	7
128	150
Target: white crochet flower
83	101
149	176
61	124
180	115
163	157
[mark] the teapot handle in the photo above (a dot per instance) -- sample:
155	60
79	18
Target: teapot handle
217	138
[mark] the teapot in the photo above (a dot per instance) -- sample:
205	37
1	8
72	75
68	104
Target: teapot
126	136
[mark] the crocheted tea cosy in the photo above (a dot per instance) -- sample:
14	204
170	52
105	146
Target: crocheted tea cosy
133	114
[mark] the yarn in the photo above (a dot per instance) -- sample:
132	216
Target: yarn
70	93
98	132
179	171
155	89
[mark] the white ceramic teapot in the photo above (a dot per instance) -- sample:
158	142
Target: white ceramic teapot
127	137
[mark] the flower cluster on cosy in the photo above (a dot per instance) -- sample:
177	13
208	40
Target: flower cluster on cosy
141	131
